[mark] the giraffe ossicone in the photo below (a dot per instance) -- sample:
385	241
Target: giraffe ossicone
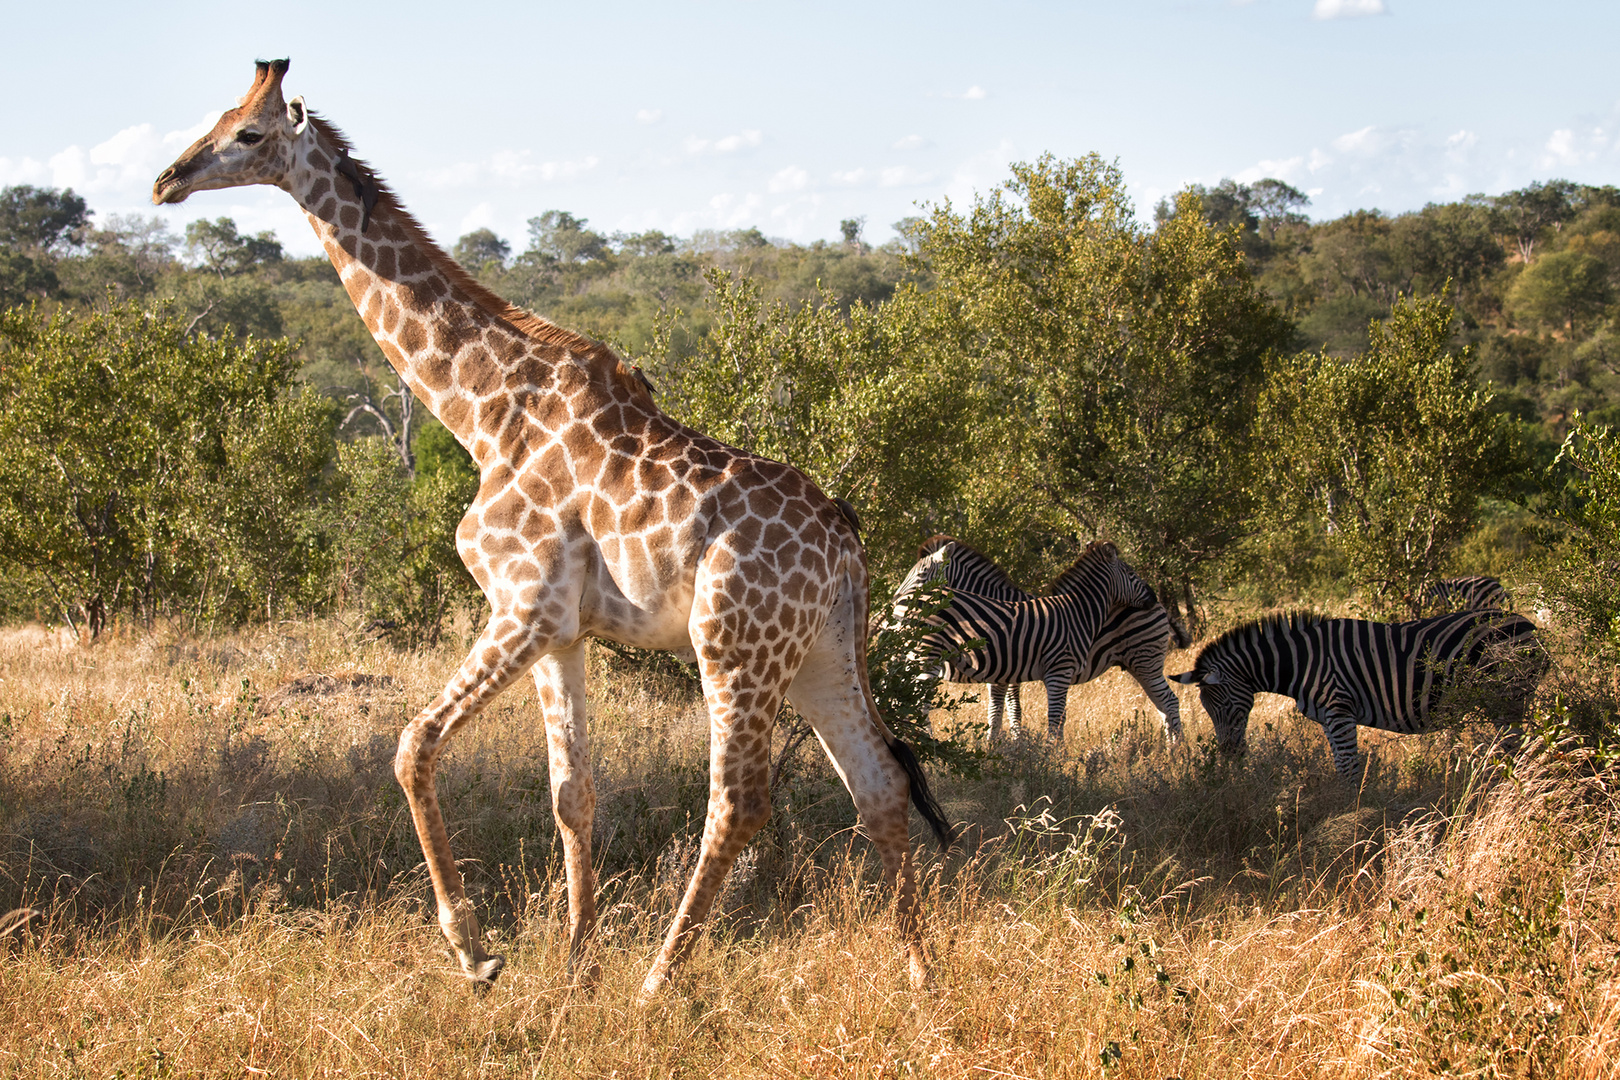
596	516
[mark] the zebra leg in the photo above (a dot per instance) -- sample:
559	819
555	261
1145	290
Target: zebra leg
1057	703
995	705
1341	737
1150	677
1014	711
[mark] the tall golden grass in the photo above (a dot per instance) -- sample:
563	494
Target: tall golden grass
225	883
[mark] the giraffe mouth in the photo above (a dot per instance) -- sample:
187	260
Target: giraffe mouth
170	187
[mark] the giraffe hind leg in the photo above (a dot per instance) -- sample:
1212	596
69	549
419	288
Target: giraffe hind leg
876	769
742	714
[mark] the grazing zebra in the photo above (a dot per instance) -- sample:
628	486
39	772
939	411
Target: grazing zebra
1480	592
1135	639
1344	672
1046	638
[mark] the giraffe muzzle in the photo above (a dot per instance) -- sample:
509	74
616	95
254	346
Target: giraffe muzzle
170	187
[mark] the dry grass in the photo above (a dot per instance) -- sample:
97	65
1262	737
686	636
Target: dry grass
227	885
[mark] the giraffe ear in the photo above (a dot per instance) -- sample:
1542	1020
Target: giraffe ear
298	114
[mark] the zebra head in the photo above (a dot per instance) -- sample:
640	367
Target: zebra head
1225	697
931	567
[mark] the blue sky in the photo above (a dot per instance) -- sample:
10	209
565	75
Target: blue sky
791	116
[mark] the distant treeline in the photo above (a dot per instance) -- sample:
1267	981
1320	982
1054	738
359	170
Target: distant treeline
1243	399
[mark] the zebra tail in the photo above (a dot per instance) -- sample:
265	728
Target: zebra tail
921	796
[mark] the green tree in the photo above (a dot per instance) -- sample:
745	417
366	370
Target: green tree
1583	582
1562	289
481	249
856	401
144	470
219	247
1392	449
1119	364
41	220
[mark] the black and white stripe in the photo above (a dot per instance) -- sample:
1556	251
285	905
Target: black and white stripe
1136	639
1038	638
1345	672
1479	592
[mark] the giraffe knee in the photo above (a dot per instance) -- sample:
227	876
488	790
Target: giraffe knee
412	759
573	804
747	812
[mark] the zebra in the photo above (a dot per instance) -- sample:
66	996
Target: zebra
1479	592
1132	638
1344	672
1048	638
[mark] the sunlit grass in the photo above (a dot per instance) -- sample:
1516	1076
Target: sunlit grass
227	884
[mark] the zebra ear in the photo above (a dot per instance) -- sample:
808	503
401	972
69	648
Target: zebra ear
1187	678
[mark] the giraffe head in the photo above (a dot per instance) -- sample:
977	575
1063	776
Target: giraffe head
252	143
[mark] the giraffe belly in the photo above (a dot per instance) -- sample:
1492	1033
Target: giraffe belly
649	619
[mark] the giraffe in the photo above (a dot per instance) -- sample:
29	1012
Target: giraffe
596	516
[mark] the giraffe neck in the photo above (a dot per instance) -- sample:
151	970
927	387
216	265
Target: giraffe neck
455	344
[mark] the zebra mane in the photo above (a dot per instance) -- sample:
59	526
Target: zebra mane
968	554
1257	629
1098	553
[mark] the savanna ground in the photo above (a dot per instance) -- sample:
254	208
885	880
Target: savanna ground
228	884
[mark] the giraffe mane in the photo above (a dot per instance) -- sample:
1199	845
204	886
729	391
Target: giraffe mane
527	322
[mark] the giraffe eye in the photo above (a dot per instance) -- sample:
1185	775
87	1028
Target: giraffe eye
248	138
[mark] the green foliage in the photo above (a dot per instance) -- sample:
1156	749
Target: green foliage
1118	365
1392	449
1584	495
856	401
905	688
143	468
41	219
1562	289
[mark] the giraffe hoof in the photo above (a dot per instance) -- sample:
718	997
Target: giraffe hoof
482	974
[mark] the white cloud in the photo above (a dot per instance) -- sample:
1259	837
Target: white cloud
1567	148
902	176
649	116
972	93
122	166
911	142
791	178
481	216
1348	9
511	168
1285	170
850	176
1365	141
723	211
725	144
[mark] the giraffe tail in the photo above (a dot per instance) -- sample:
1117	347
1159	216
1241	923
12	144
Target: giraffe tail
921	796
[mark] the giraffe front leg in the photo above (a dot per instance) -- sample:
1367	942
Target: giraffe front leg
504	652
560	680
